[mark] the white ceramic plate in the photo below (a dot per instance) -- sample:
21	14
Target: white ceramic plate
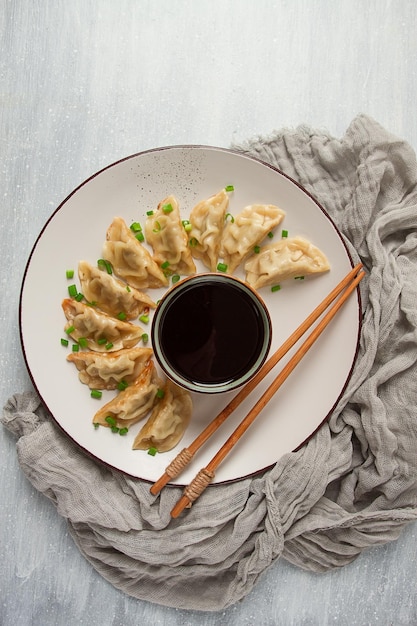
129	188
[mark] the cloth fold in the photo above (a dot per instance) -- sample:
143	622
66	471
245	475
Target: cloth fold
353	485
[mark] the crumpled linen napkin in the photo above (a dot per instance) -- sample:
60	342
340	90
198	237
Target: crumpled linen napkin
353	485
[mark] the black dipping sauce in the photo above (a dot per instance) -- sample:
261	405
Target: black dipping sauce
211	333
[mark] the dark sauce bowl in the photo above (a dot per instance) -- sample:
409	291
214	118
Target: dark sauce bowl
211	333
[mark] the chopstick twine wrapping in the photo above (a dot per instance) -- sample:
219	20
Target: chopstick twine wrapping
352	486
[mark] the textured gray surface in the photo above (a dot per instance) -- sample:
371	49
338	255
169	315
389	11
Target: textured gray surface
86	83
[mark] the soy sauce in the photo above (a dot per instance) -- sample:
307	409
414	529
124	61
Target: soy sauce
211	333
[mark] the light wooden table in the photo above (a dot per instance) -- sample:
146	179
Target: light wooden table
86	82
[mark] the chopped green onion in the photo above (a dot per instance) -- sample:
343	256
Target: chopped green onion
122	385
83	343
257	249
145	337
111	421
187	225
96	393
121	316
96	425
144	319
167	208
165	265
157	227
149	212
175	278
92	303
70	330
109	345
64	342
193	242
79	297
75	347
102	341
136	227
128	288
152	451
221	267
229	188
229	217
140	237
160	393
70	274
284	234
298	277
123	431
102	263
115	429
72	290
275	287
270	234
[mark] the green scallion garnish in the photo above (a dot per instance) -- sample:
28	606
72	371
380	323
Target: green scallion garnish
121	316
270	234
257	249
165	265
115	429
96	425
123	431
221	267
111	421
79	297
160	393
103	264
145	337
72	290
284	234
109	345
175	278
102	341
298	277
140	237
75	347
229	188
149	213
193	242
136	227
70	330
275	287
70	274
152	451
167	208
64	342
96	393
128	288
157	227
144	319
122	385
187	225
229	217
82	342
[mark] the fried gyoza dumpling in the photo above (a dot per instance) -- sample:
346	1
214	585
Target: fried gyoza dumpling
101	331
134	403
111	294
130	259
287	258
101	370
246	231
168	421
165	233
207	220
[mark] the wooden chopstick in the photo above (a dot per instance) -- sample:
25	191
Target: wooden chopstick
206	475
186	455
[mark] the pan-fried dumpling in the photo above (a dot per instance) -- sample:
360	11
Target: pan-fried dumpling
287	258
207	220
134	403
130	259
102	332
111	294
247	231
101	370
165	233
168	421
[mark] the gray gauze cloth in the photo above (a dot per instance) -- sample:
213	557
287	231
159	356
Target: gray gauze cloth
351	486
